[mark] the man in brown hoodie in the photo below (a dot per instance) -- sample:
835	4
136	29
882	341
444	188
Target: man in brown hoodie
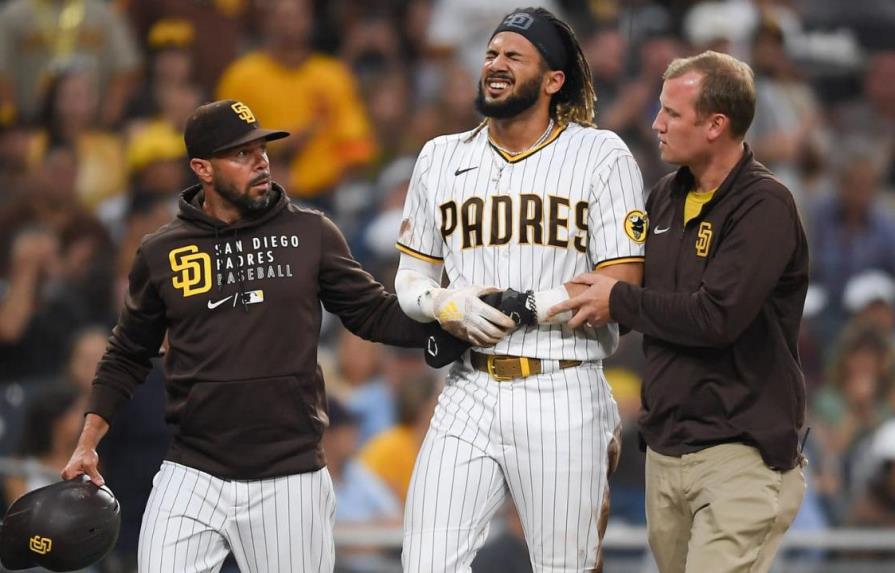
235	284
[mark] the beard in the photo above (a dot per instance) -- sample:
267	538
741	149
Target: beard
526	96
243	201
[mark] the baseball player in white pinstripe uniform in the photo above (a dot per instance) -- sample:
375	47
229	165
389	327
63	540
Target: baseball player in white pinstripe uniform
530	199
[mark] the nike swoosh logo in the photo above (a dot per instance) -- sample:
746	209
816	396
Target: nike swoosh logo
659	231
462	171
213	305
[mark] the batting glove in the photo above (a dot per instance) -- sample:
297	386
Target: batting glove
520	306
463	314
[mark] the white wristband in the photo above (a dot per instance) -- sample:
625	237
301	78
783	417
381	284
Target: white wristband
425	301
546	299
415	292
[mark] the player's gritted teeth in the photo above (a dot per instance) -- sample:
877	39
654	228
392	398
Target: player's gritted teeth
497	85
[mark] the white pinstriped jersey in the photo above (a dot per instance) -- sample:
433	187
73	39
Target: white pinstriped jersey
532	221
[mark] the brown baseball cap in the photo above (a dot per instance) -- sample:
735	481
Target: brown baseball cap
223	124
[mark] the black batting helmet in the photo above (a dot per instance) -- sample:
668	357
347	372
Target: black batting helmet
65	526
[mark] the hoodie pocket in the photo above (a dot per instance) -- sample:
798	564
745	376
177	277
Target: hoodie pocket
240	416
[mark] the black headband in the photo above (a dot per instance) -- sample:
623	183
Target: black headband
540	32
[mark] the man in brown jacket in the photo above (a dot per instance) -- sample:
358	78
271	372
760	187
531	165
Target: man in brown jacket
236	285
725	279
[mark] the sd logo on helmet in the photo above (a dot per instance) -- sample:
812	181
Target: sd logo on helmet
65	526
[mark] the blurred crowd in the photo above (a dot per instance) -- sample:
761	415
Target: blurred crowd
93	99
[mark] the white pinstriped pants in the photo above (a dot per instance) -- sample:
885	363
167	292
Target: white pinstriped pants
543	440
194	520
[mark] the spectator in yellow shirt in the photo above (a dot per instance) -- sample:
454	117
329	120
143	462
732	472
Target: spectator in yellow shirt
313	95
391	454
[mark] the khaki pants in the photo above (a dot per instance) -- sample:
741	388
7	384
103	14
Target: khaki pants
719	510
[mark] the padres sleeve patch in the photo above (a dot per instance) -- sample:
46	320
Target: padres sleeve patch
636	225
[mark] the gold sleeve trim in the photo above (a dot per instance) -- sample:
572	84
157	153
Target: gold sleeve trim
418	255
618	261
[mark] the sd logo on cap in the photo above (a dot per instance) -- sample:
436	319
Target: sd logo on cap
221	125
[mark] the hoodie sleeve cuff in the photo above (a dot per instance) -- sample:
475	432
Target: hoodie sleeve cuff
624	304
105	401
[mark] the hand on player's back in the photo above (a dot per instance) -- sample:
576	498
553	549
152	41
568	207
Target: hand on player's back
462	313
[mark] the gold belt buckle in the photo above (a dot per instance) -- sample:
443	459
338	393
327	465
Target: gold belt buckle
492	369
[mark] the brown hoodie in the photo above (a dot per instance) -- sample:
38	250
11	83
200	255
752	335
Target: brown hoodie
241	306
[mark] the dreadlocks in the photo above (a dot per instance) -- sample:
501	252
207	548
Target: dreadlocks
575	100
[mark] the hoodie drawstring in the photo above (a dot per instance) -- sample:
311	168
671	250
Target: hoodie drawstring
217	236
240	278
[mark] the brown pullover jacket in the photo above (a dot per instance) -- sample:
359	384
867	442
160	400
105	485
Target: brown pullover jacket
241	306
720	308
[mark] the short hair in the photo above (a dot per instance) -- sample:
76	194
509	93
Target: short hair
727	87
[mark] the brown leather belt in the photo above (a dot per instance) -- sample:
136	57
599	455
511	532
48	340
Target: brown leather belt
503	368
